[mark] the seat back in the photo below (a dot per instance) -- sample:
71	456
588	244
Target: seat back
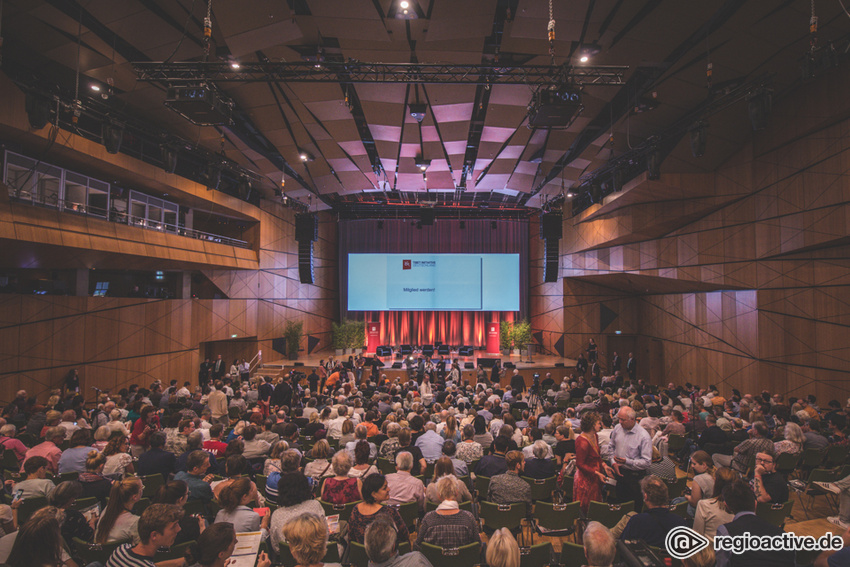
29	506
463	556
541	489
83	503
174	552
675	443
386	466
409	512
812	457
775	514
675	489
152	483
539	555
608	514
91	552
344	510
680	509
557	516
495	516
357	555
482	484
572	554
786	463
836	455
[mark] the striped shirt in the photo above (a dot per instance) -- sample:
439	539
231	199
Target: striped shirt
124	557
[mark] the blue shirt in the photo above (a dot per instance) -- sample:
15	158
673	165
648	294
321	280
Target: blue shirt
198	489
634	445
74	460
652	526
431	445
841	558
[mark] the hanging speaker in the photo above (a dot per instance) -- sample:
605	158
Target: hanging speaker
758	107
550	260
698	138
38	111
306	227
213	176
551	226
305	262
169	158
112	134
653	165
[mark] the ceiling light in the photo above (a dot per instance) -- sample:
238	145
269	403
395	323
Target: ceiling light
235	65
305	156
404	4
95	88
570	194
422	163
587	51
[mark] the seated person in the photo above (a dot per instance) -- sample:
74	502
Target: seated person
195	442
450	451
502	549
196	476
404	487
492	465
739	500
214	547
653	524
448	526
540	466
156	460
375	493
117	522
307	536
600	547
36	482
74	458
769	485
444	468
509	488
340	488
158	527
382	547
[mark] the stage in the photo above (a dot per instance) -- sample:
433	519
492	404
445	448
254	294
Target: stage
541	364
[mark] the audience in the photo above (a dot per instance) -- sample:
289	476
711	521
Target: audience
402	426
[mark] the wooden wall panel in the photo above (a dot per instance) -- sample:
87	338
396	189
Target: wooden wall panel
780	245
115	342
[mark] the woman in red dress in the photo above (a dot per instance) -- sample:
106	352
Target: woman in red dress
590	470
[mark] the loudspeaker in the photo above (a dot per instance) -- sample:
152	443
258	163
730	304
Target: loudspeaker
112	134
297	364
468	366
465	351
38	111
551	226
305	262
559	365
396	365
758	107
488	362
510	365
551	261
169	158
306	227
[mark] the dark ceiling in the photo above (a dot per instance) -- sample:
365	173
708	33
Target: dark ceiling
350	127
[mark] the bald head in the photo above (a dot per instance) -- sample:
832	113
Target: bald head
626	416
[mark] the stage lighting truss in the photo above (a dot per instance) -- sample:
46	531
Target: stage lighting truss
192	72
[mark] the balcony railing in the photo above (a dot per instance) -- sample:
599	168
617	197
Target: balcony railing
122	217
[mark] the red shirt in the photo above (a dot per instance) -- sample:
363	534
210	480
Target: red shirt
217	448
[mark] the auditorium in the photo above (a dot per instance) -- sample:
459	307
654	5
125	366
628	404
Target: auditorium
414	283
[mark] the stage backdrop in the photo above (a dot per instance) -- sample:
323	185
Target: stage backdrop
443	237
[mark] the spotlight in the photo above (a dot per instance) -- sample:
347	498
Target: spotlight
404	4
587	51
235	65
418	110
404	10
570	195
113	135
95	88
422	163
305	156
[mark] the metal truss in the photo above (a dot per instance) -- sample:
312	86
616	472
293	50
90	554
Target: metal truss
181	73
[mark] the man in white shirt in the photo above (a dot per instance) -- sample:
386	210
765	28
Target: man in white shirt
184	391
69	422
335	424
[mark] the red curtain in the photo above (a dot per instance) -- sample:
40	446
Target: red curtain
443	237
426	327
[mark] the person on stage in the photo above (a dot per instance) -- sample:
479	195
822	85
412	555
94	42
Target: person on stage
591	351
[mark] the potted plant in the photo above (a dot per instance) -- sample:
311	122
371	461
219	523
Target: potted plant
506	336
292	332
521	335
338	338
356	335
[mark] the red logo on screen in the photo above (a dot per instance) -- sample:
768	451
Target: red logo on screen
405	264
